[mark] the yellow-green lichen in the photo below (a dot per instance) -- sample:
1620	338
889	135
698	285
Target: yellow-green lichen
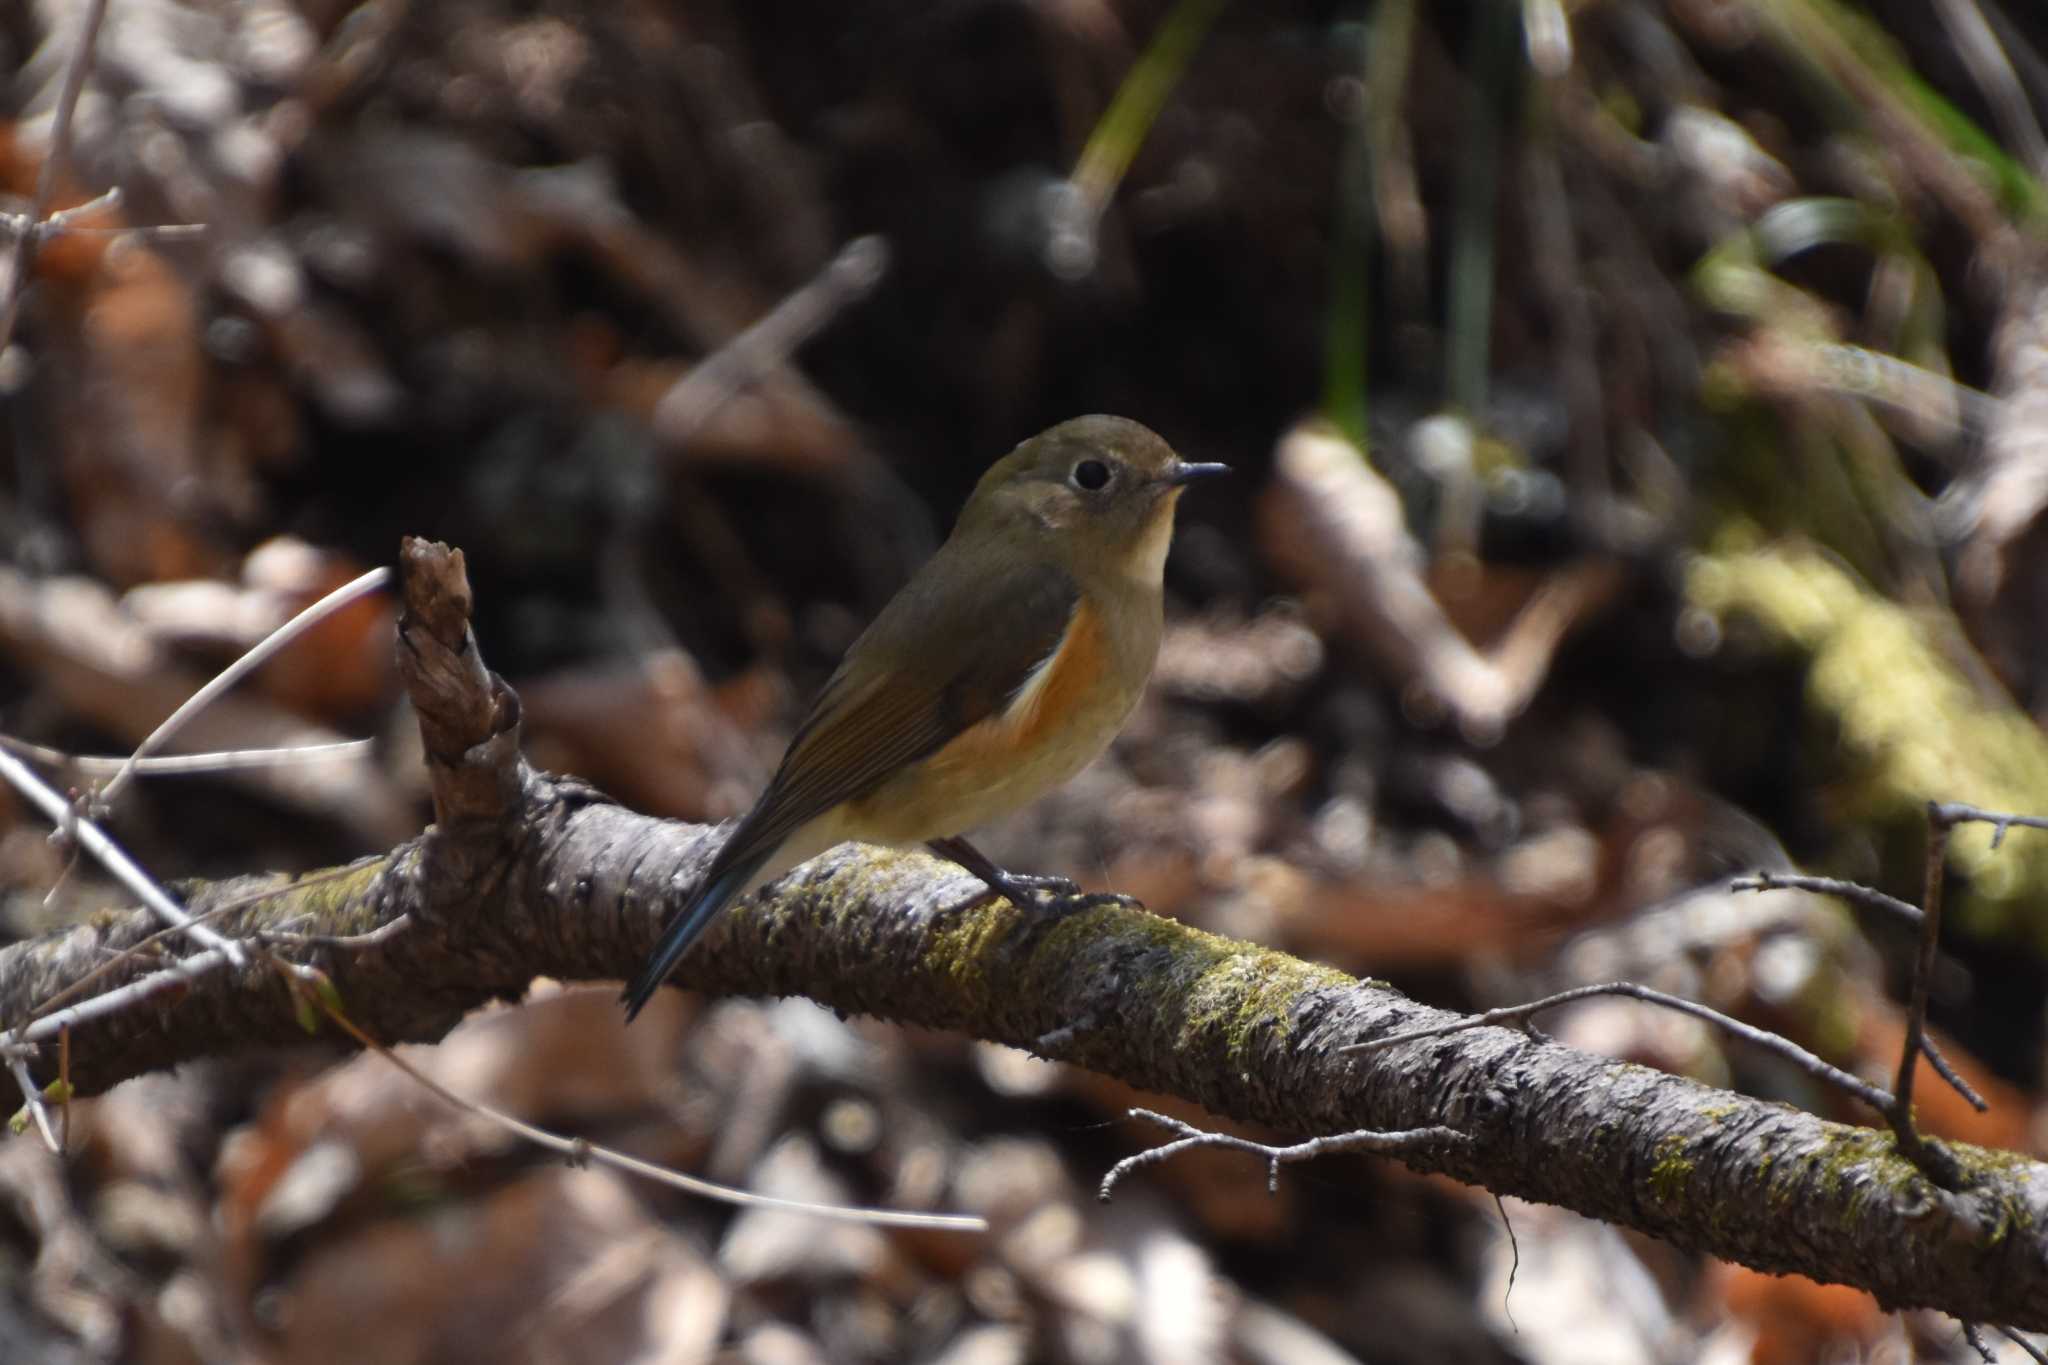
1988	1162
1869	1154
959	951
1991	1167
339	903
1222	986
1846	1150
1672	1170
1862	1166
1246	993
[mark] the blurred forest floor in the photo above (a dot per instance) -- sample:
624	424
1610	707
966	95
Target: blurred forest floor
1700	352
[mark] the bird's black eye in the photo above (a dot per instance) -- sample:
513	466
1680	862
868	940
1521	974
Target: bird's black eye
1091	475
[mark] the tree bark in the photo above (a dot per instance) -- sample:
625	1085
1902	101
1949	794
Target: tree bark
530	875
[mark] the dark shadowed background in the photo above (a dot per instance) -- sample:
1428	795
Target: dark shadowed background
1639	414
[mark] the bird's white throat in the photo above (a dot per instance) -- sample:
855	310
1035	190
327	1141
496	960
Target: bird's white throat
1148	560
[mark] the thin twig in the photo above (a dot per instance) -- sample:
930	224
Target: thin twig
1514	1257
65	223
1949	814
2033	1352
63	220
1876	899
181	765
181	971
32	1098
110	855
240	668
375	938
1944	1069
1939	1166
1770	1042
1361	1140
1973	1335
1942	818
24	260
1829	886
145	232
581	1151
734	367
228	906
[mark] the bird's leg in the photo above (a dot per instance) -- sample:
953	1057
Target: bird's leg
1019	888
1014	885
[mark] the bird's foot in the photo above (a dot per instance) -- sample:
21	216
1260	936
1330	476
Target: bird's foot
1049	902
1054	896
1027	885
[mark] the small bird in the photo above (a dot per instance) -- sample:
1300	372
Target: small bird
1002	668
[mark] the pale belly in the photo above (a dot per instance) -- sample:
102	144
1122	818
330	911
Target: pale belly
967	785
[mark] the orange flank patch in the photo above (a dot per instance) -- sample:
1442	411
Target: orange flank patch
1058	695
1050	709
1064	715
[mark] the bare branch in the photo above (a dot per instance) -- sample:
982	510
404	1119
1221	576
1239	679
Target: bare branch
1762	1038
561	883
376	938
32	1099
263	650
178	765
1358	1140
1829	886
109	1004
1949	814
1869	895
579	888
582	1150
1924	1153
65	222
849	277
110	855
53	162
92	977
2033	1352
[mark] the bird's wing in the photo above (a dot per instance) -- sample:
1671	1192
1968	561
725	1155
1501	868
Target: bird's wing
959	647
959	643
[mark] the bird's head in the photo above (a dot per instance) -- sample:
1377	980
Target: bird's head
1102	489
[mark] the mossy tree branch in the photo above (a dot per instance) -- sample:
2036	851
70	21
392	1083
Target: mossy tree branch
561	882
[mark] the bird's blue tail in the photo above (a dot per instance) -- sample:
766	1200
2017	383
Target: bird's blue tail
690	921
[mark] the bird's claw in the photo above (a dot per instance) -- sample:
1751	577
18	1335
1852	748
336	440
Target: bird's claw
1056	897
1021	888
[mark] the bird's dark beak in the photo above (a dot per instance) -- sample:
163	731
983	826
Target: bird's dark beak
1185	473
